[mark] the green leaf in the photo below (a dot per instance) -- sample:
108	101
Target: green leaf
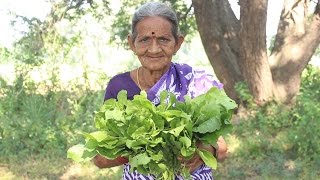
162	166
115	114
122	97
99	135
88	155
140	159
100	121
157	156
142	170
208	126
91	144
109	104
110	144
186	142
136	143
208	158
186	149
110	153
163	97
175	131
172	114
211	138
75	152
187	152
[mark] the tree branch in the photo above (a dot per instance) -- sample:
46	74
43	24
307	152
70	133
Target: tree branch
317	8
187	12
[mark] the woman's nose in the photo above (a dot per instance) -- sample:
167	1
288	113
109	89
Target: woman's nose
154	47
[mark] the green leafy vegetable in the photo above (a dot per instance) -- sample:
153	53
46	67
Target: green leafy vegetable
153	137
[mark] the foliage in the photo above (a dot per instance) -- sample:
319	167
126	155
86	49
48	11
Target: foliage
29	49
75	9
152	137
43	41
35	120
246	98
272	41
121	26
278	141
5	54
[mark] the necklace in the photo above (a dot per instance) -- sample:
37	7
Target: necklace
138	78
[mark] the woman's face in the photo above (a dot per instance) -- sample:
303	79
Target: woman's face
155	44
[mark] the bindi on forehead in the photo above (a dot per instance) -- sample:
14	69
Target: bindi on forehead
153	34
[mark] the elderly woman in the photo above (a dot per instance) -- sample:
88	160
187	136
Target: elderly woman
154	40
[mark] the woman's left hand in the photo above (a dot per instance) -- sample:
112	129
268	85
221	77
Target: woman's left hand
195	162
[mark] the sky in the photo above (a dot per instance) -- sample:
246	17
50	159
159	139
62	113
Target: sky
28	8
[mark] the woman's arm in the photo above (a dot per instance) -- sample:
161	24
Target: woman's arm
222	149
103	162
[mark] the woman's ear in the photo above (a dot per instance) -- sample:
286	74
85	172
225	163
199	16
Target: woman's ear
179	42
131	43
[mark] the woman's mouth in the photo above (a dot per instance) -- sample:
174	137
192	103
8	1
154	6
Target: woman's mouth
154	58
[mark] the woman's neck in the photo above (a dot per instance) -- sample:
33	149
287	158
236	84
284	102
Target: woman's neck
149	78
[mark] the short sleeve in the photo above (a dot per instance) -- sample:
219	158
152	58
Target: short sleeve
121	82
108	93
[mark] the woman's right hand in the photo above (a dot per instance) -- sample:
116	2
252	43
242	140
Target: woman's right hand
222	150
103	162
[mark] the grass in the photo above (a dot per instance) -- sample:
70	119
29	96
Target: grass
34	167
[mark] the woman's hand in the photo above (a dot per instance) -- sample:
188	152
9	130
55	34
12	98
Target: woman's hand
192	164
103	162
195	162
222	149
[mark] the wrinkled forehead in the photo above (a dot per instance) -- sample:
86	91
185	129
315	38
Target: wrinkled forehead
154	26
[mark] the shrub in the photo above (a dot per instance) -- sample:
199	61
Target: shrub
278	141
33	122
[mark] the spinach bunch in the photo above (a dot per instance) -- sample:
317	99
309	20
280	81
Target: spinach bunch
153	137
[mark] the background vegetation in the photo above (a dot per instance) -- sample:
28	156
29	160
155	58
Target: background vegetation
50	86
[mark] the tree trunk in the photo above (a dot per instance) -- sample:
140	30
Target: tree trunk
237	48
218	28
296	42
256	68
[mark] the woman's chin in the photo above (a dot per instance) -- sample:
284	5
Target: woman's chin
156	67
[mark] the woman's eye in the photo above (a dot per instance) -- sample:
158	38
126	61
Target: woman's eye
164	40
144	39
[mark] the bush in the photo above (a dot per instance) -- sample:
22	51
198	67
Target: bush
278	141
33	122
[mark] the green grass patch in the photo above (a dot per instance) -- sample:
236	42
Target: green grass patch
54	167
